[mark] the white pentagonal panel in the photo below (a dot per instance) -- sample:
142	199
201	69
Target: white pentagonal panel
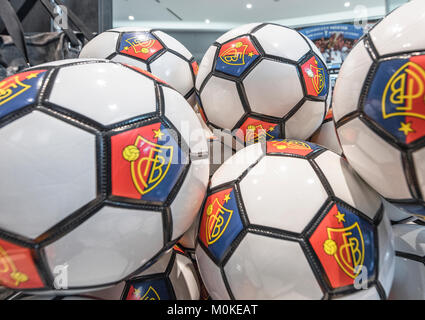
102	46
48	171
410	238
369	294
173	44
409	280
115	239
377	162
350	81
275	192
386	254
244	29
282	42
183	278
347	185
305	121
211	276
326	136
189	199
206	66
185	120
273	88
419	159
221	102
233	167
268	268
106	92
129	61
160	266
175	71
399	31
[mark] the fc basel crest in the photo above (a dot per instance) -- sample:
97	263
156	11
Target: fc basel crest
396	99
291	147
220	223
148	289
142	45
254	130
236	56
19	90
316	77
146	163
17	269
344	244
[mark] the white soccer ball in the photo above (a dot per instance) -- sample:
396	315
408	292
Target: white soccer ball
409	278
293	221
106	168
272	82
151	50
379	107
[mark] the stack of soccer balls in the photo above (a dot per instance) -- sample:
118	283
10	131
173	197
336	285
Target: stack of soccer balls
114	188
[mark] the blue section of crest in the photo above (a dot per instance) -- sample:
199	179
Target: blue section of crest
234	227
22	93
325	89
373	103
178	162
368	237
237	67
159	285
141	36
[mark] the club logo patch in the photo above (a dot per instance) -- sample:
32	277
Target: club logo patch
396	99
142	45
254	130
146	163
17	268
220	223
148	289
291	147
316	77
236	56
19	90
344	244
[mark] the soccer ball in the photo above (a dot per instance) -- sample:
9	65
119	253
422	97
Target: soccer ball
291	220
379	108
326	135
272	82
173	277
409	278
151	50
101	176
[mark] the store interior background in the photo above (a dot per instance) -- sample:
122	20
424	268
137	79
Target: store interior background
198	23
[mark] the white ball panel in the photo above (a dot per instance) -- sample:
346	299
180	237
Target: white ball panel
211	276
175	71
160	266
206	66
181	114
377	162
100	93
233	168
64	179
130	61
326	136
173	44
314	48
282	42
419	160
213	102
183	278
369	294
350	81
102	46
290	211
194	187
305	121
244	29
273	88
111	293
113	238
410	238
409	280
188	240
260	269
399	31
386	254
394	213
347	185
